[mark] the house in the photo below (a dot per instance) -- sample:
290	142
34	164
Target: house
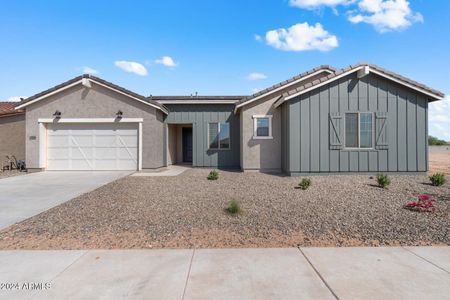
12	131
359	119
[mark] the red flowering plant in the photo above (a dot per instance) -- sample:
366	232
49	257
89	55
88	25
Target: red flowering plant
423	203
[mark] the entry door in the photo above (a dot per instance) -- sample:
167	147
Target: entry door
187	144
92	146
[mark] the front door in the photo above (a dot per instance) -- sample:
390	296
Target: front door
187	144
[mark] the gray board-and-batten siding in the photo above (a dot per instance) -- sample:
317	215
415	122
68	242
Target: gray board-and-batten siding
313	128
200	115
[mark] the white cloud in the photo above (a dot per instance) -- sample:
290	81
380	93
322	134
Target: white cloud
255	90
258	38
88	70
131	67
166	61
439	118
301	37
314	4
385	15
256	76
15	98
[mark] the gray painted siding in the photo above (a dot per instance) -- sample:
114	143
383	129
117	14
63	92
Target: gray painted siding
307	117
199	115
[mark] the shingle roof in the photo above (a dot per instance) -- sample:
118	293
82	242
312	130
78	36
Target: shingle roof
7	108
99	80
396	76
280	84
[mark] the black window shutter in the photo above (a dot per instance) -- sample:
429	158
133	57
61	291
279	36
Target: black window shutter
336	129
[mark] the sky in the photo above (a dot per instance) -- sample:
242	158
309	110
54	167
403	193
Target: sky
222	47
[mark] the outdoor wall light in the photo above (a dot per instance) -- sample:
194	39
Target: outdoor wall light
119	114
57	114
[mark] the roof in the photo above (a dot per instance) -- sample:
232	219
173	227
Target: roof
287	82
195	99
7	108
95	79
437	95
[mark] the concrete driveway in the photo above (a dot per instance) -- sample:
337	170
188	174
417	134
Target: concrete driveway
22	197
305	273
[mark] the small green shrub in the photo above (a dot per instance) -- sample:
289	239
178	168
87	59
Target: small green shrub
233	207
437	179
213	175
383	180
305	183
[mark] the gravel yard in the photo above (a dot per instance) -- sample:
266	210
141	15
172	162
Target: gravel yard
12	173
189	211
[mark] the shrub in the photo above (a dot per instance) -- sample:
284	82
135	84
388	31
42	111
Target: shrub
305	183
437	179
213	175
383	180
434	141
233	207
423	203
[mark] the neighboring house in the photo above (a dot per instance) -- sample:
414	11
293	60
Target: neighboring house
12	131
358	119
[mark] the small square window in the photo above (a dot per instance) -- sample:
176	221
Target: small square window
358	130
262	127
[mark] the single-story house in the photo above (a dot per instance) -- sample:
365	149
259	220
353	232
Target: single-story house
12	131
359	119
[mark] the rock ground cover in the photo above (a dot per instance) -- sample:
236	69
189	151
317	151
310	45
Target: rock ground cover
189	211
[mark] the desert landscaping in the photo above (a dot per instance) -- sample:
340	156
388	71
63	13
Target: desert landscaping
188	211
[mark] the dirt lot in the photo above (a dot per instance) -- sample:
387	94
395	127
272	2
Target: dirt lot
189	211
440	159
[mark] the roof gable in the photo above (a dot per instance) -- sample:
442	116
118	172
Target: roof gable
85	80
361	67
286	84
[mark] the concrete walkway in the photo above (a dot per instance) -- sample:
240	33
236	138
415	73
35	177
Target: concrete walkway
170	171
305	273
22	197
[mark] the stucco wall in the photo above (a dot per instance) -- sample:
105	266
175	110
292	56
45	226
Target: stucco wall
264	154
97	102
261	154
12	136
172	144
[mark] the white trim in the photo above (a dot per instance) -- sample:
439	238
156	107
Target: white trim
43	133
359	130
406	84
48	95
42	146
255	131
355	70
84	82
128	95
197	101
91	120
283	87
363	72
140	146
322	83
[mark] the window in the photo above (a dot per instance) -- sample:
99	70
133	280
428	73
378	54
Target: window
358	130
262	127
219	135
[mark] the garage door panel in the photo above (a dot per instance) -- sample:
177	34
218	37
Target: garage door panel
82	141
82	153
92	147
58	153
128	141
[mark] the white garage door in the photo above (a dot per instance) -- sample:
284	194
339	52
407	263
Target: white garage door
92	146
